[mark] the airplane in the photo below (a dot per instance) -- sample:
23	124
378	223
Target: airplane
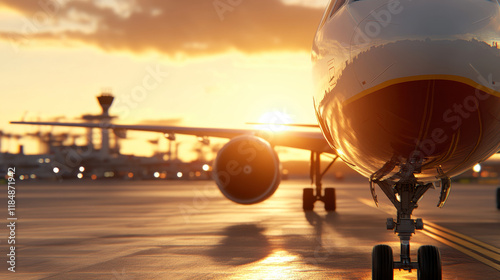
407	94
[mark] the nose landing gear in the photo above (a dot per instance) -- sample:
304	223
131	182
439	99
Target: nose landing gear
404	196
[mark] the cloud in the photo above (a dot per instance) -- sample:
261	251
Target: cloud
171	27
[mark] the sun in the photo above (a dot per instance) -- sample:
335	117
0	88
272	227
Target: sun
275	121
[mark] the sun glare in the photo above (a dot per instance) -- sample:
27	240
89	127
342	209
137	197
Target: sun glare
280	264
279	258
274	121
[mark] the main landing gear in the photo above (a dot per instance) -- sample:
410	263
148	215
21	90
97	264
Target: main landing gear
404	196
309	197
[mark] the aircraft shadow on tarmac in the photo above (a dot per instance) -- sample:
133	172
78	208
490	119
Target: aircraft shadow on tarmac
333	241
242	244
330	245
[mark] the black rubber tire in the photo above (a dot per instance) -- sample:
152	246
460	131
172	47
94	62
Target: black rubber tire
382	263
498	198
308	199
330	200
429	263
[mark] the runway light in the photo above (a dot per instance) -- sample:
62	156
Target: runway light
81	168
33	176
47	160
179	174
157	174
206	167
79	176
56	170
477	168
21	177
131	175
93	177
40	160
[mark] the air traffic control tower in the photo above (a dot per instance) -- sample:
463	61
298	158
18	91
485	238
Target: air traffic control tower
105	101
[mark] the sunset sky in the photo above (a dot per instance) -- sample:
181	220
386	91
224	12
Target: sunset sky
192	63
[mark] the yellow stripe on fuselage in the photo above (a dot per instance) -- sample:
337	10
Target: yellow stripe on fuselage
454	78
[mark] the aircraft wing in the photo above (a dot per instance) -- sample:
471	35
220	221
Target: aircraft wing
306	140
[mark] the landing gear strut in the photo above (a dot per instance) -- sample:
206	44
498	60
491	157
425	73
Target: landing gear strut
404	196
309	197
498	198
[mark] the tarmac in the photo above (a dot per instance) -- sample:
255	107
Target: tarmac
187	230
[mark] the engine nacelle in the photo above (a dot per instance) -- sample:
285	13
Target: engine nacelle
247	170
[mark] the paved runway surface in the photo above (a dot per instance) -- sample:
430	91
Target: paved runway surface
187	230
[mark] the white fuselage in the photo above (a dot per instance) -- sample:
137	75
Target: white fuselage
411	86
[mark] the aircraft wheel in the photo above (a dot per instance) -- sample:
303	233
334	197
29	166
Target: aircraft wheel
382	263
498	198
308	199
330	199
429	262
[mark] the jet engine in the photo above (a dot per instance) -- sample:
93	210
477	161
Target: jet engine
247	170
